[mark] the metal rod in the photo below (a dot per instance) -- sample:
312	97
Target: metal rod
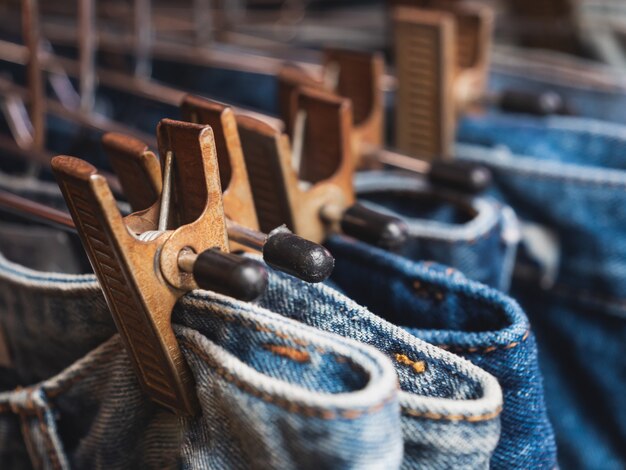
331	76
17	119
202	22
16	53
216	56
299	129
186	260
332	213
245	236
166	193
142	15
31	33
19	205
399	160
22	206
87	51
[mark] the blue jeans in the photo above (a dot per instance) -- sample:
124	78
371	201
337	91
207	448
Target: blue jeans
590	89
274	393
476	235
565	178
441	306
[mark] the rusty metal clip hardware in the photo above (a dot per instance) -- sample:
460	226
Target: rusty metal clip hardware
361	85
441	65
140	176
355	75
144	269
310	188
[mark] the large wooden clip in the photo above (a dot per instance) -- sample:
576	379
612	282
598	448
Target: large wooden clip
350	74
146	261
140	175
310	187
441	53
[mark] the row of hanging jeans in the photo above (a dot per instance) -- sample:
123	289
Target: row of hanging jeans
495	338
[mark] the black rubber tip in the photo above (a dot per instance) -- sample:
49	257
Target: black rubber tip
459	175
541	104
297	256
229	274
375	228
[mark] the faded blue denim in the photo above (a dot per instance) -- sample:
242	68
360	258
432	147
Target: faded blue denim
440	305
274	393
566	179
476	235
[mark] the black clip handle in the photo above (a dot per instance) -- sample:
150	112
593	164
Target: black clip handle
544	103
229	274
459	175
297	256
373	227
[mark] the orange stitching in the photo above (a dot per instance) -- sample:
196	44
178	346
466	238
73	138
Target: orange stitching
309	411
50	448
428	291
286	351
442	417
484	350
417	366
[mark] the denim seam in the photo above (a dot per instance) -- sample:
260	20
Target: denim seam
458	417
50	448
580	175
485	220
309	411
469	241
28	442
564	290
30	409
55	391
489	349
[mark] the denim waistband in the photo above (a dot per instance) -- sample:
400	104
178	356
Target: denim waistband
441	306
272	392
568	175
565	178
450	408
590	89
477	235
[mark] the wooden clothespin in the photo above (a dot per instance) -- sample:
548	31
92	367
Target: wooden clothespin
146	261
310	188
140	176
442	56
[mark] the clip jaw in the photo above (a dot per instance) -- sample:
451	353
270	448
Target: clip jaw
316	197
349	74
237	195
360	80
296	197
138	266
441	61
281	249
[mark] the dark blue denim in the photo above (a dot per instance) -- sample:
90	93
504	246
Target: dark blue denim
443	307
566	179
590	89
476	235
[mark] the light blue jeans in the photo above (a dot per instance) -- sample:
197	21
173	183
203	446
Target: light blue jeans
338	388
